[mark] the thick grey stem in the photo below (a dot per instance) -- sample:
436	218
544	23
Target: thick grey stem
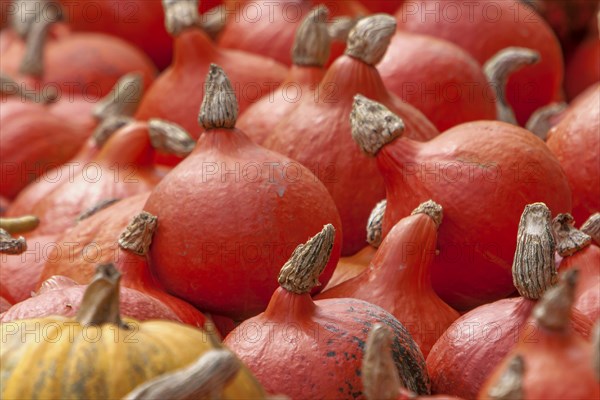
592	228
300	274
534	270
375	224
510	383
170	138
123	99
10	245
554	309
33	59
214	21
219	107
432	209
340	28
181	15
110	125
312	44
499	68
137	236
369	39
373	125
380	377
206	378
541	120
570	239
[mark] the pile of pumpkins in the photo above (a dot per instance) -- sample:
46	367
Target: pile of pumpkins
341	199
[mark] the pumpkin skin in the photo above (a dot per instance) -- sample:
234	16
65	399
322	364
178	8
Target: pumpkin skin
575	141
582	71
65	297
33	141
252	77
471	168
151	349
382	6
508	24
479	340
587	295
437	77
123	167
323	359
267	28
351	266
342	167
21	273
398	280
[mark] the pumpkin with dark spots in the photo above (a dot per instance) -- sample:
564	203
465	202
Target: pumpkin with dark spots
322	358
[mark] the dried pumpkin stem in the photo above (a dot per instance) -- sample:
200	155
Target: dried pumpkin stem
33	59
510	383
499	68
375	224
22	21
137	236
101	205
380	377
123	99
214	20
181	15
10	245
592	228
23	224
369	39
110	125
340	28
432	209
373	125
204	378
540	121
533	269
312	44
301	272
553	311
170	138
570	239
219	107
100	303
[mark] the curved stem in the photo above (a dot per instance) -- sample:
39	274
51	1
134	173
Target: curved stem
123	99
100	303
219	107
10	245
592	227
373	125
137	236
499	68
96	208
33	59
110	125
510	384
432	209
534	269
204	378
541	120
340	28
23	224
554	309
181	15
170	138
570	240
380	377
369	39
312	44
214	21
375	224
300	274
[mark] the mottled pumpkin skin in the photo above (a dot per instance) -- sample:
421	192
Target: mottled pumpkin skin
110	363
314	350
587	293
